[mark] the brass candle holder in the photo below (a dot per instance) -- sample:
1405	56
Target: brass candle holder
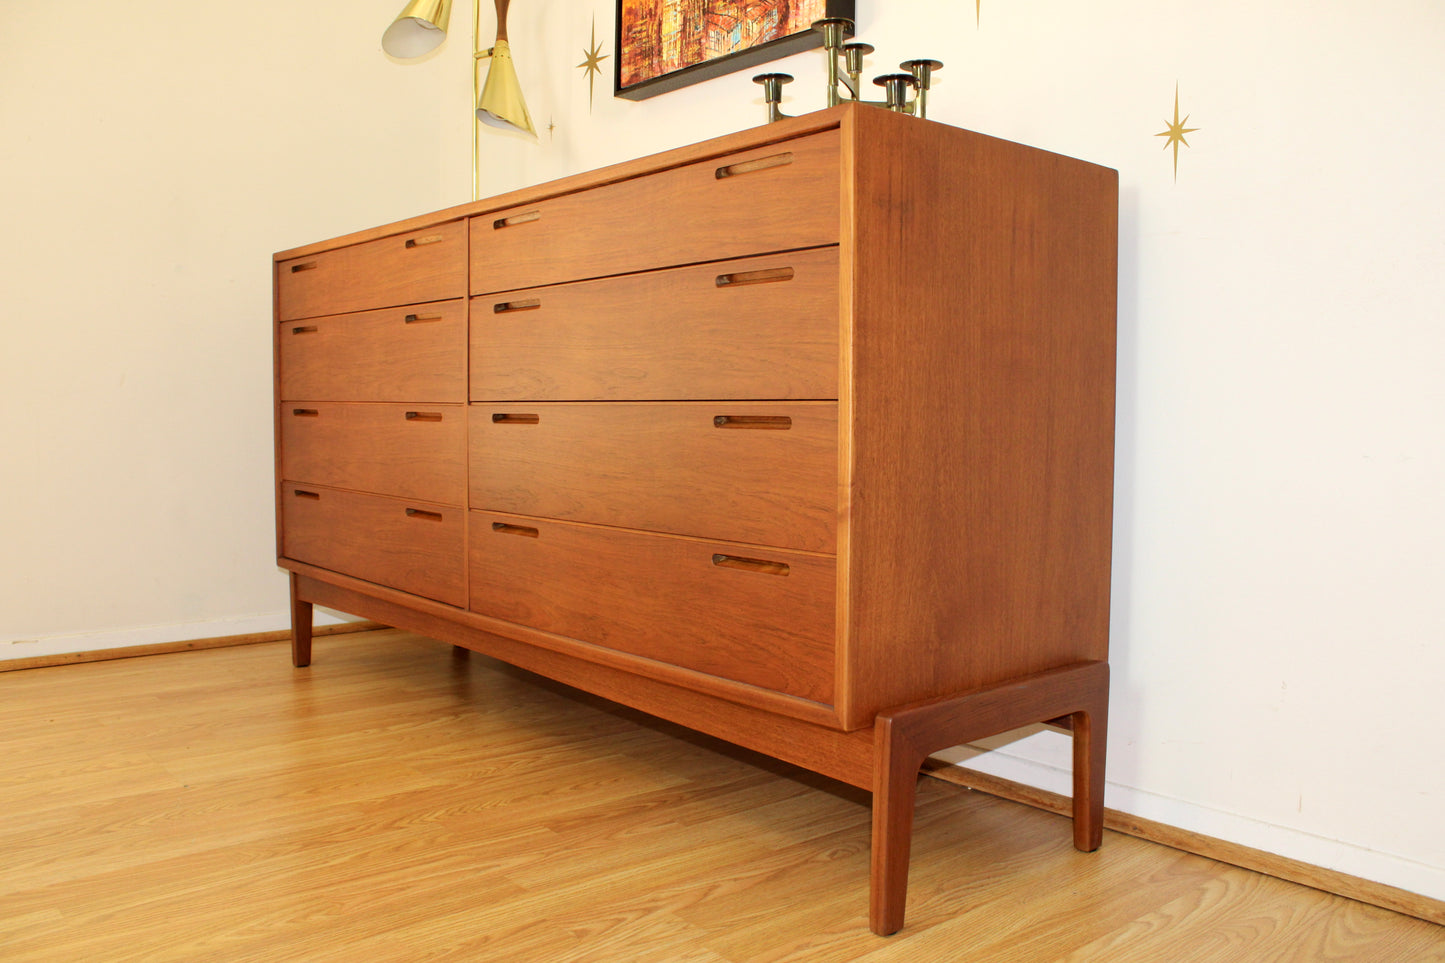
905	93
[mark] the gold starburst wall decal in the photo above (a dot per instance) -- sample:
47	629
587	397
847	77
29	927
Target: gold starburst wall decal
977	11
592	62
1175	132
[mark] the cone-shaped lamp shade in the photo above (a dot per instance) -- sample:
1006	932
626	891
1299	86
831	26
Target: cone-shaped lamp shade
418	29
501	103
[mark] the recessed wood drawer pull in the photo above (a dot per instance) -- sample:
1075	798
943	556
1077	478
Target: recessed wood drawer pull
760	164
314	496
424	515
773	422
305	329
306	412
308	266
420	318
761	566
412	242
423	416
507	307
754	277
525	530
516	219
499	418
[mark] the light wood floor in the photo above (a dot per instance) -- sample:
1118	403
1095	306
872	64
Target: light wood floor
398	802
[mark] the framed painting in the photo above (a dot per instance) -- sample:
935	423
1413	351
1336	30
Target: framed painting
666	44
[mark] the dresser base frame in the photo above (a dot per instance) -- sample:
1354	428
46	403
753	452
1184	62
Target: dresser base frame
885	759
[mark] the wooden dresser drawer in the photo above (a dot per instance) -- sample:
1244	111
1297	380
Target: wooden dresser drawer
425	265
410	451
759	472
777	197
413	353
760	616
413	546
754	328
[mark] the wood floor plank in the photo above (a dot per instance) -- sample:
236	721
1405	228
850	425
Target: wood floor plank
1242	915
399	801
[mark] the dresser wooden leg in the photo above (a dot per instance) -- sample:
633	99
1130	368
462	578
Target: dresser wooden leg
300	627
895	785
1091	729
903	738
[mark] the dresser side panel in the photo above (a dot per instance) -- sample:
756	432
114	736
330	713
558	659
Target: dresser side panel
980	392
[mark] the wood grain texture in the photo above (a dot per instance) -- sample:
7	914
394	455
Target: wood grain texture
395	354
751	138
795	730
678	215
395	803
625	590
664	467
406	268
408	450
665	335
978	407
412	545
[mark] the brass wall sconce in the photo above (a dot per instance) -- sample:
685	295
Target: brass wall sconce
418	29
906	93
422	26
500	103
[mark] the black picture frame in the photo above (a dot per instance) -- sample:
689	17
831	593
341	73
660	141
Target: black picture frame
805	39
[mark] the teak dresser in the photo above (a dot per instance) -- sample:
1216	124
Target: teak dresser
801	437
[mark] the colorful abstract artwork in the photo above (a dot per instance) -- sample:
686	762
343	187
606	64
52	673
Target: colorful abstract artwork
666	44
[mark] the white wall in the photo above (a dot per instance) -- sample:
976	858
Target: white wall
149	169
1277	630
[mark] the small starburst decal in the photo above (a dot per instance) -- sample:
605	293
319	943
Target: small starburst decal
1176	131
592	62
